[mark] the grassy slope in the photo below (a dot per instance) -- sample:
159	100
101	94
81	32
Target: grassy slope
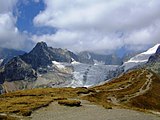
24	102
125	91
151	99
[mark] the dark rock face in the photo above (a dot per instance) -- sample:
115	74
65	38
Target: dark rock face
24	66
38	57
42	56
158	50
17	69
155	57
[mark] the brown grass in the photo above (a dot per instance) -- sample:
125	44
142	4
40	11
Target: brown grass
134	80
7	117
26	101
151	99
70	103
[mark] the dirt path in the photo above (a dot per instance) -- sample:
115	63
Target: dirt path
145	87
88	111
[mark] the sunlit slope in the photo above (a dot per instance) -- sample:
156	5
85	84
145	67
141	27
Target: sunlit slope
138	88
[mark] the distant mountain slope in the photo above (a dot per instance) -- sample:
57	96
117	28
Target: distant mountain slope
23	66
17	69
111	59
141	58
42	56
7	54
45	66
154	62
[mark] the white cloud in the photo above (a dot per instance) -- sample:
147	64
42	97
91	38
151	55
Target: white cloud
6	6
98	24
79	41
10	37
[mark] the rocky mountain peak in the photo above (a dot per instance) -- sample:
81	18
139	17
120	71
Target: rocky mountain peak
17	69
41	45
39	56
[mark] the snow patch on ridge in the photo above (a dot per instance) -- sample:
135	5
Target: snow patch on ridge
1	60
152	50
140	58
58	64
74	61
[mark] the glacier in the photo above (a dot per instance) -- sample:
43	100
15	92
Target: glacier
85	75
75	74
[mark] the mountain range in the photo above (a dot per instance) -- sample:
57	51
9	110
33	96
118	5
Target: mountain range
111	59
62	75
45	66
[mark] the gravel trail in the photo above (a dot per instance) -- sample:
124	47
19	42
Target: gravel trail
89	111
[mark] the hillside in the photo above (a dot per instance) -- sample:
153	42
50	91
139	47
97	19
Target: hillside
135	89
45	67
138	90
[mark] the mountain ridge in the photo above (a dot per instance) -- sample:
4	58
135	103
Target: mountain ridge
141	58
7	54
155	57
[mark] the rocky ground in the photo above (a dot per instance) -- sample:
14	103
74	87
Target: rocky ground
88	111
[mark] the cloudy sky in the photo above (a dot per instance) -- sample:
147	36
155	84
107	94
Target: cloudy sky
78	25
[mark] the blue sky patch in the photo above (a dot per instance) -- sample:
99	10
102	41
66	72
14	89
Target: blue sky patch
25	12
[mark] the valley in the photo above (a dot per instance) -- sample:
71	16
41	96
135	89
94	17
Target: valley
79	60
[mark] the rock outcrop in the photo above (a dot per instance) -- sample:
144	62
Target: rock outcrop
17	69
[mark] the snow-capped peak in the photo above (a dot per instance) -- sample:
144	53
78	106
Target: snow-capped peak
152	50
143	57
140	58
